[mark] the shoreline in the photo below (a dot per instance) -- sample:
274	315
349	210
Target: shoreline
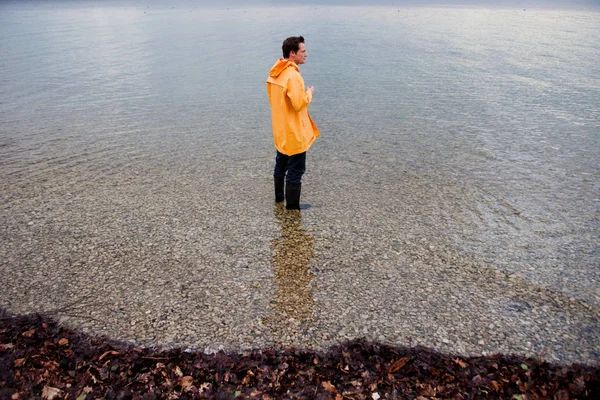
38	357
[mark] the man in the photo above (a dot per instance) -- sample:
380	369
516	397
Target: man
293	129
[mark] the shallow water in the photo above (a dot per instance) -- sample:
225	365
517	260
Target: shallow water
470	129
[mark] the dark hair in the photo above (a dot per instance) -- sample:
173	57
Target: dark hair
291	44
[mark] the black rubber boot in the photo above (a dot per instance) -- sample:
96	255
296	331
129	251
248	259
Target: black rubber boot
292	196
279	193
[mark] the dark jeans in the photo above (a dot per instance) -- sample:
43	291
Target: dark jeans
294	166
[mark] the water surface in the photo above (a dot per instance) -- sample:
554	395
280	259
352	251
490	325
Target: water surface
466	128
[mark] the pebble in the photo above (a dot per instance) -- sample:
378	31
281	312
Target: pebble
197	256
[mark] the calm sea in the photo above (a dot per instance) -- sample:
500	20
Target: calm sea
504	101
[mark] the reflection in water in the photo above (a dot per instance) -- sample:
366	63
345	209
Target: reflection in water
292	254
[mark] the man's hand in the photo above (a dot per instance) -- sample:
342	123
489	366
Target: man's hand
310	90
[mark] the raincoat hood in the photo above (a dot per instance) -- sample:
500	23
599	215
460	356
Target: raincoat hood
280	66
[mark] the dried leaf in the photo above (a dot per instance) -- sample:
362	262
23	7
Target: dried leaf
92	376
449	378
339	397
29	333
6	346
461	363
49	393
329	387
428	391
178	372
51	365
63	342
399	364
113	352
204	387
186	383
19	362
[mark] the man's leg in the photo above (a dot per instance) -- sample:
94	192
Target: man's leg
293	185
281	166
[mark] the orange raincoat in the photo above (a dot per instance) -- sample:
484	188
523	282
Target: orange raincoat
293	129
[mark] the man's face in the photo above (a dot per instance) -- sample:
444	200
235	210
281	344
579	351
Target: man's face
300	56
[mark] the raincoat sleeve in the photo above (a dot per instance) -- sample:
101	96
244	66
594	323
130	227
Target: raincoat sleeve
295	91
